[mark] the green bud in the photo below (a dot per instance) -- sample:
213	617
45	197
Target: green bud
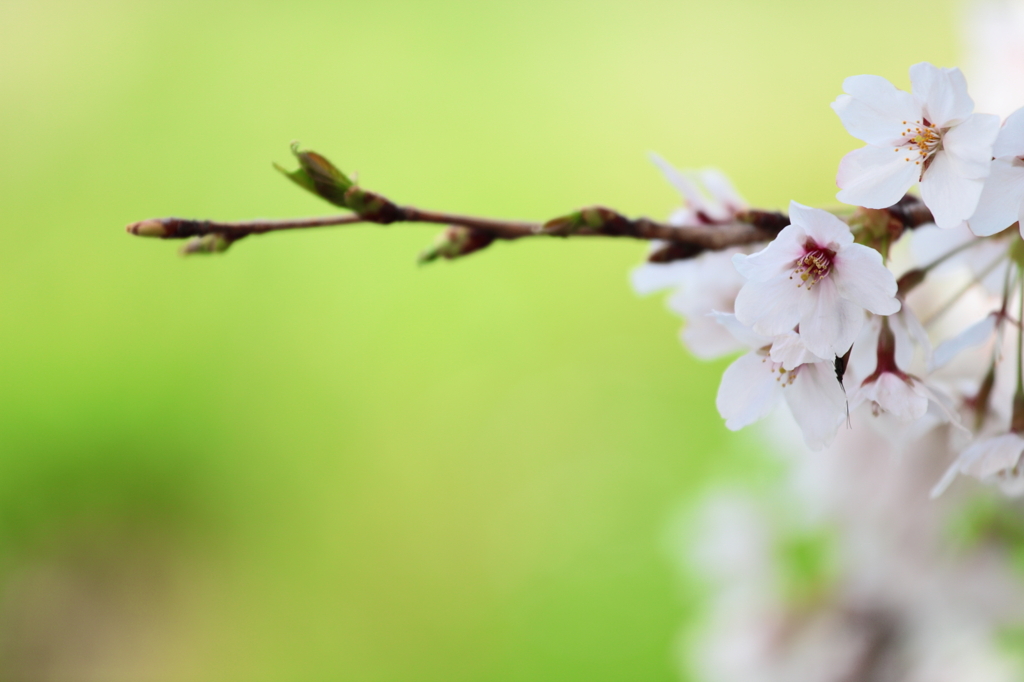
566	224
596	218
875	227
319	176
210	243
371	205
455	242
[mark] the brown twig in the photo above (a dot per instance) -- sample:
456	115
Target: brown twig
317	175
183	228
760	226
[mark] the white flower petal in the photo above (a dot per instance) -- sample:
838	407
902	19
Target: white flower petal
861	277
951	197
1001	198
983	459
975	335
943	405
722	190
790	351
684	217
942	93
748	391
739	331
929	243
864	357
1010	141
818	403
829	323
777	258
948	477
651	277
711	283
873	109
895	396
875	177
1012	485
918	334
707	340
691	194
821	226
1001	453
969	145
771	308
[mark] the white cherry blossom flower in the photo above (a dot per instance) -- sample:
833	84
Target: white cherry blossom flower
994	53
909	336
991	460
929	136
699	285
814	275
709	198
754	384
704	283
904	396
1002	199
891	388
898	395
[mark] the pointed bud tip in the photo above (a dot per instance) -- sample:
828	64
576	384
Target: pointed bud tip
147	228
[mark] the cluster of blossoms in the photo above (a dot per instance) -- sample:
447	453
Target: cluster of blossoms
837	572
854	318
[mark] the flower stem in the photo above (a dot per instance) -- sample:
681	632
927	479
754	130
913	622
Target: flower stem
982	274
1017	421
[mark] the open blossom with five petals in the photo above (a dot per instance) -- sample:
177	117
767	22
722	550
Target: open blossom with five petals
778	369
930	135
814	275
1002	199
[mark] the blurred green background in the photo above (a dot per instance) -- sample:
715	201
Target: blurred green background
309	458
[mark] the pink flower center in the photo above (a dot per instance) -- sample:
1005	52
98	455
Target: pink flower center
814	266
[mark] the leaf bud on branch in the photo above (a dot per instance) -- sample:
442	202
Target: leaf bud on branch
455	242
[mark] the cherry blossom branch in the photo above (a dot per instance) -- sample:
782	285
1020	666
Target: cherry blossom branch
754	226
467	234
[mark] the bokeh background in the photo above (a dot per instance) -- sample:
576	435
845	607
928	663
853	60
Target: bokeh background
310	458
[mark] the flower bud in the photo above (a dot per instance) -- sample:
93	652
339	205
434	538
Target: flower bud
148	228
371	206
319	176
596	218
454	243
875	227
210	243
